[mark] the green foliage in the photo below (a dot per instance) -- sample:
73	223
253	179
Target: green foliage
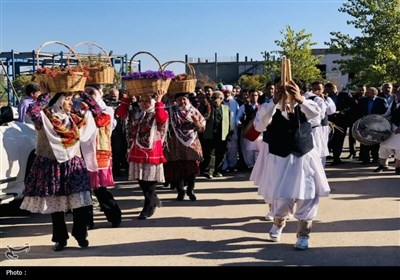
375	54
19	84
3	93
252	82
296	47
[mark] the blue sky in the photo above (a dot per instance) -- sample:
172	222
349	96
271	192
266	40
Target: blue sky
167	29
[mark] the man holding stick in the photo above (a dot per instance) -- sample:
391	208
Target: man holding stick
289	169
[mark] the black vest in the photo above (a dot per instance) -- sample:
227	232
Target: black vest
395	115
284	136
249	114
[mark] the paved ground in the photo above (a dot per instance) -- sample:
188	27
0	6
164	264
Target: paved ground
358	225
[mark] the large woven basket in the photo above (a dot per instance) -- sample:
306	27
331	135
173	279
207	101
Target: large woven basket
65	81
177	86
98	74
146	86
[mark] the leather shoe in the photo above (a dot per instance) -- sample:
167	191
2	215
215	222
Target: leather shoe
83	243
181	196
207	175
59	246
142	216
116	224
191	195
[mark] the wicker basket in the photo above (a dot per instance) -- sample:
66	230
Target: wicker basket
146	86
177	86
64	81
98	75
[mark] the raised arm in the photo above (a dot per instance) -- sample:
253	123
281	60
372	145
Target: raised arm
34	109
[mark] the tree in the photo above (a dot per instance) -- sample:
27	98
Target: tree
252	82
297	48
20	83
375	54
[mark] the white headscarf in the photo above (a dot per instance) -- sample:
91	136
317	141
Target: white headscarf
152	107
61	152
58	109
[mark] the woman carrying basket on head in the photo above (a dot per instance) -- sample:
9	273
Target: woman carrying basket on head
59	181
145	133
99	160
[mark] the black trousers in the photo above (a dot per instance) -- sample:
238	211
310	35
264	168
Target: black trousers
179	185
336	144
366	152
219	148
79	230
151	201
108	205
352	143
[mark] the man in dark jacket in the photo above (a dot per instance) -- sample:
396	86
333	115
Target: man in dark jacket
371	104
342	118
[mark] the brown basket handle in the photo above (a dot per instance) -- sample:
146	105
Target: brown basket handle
144	52
59	43
191	68
94	44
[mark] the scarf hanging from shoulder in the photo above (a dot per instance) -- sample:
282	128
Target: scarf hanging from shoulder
146	128
63	140
182	124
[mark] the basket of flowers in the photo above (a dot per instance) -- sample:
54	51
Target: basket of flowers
182	82
62	78
148	82
101	71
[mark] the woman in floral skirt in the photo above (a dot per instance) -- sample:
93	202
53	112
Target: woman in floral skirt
100	163
58	181
145	132
183	151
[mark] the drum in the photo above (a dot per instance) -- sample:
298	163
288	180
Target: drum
249	132
371	129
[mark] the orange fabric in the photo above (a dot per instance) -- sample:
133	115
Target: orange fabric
103	159
102	120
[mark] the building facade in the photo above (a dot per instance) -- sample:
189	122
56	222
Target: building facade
229	69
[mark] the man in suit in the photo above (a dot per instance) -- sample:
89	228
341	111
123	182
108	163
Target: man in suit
371	104
342	118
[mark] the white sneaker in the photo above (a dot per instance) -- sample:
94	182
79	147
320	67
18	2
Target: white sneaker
275	233
302	243
269	216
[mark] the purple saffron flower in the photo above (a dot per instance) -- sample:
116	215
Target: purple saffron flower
151	75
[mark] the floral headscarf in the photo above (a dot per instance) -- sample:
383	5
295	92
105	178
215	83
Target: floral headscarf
182	123
61	129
